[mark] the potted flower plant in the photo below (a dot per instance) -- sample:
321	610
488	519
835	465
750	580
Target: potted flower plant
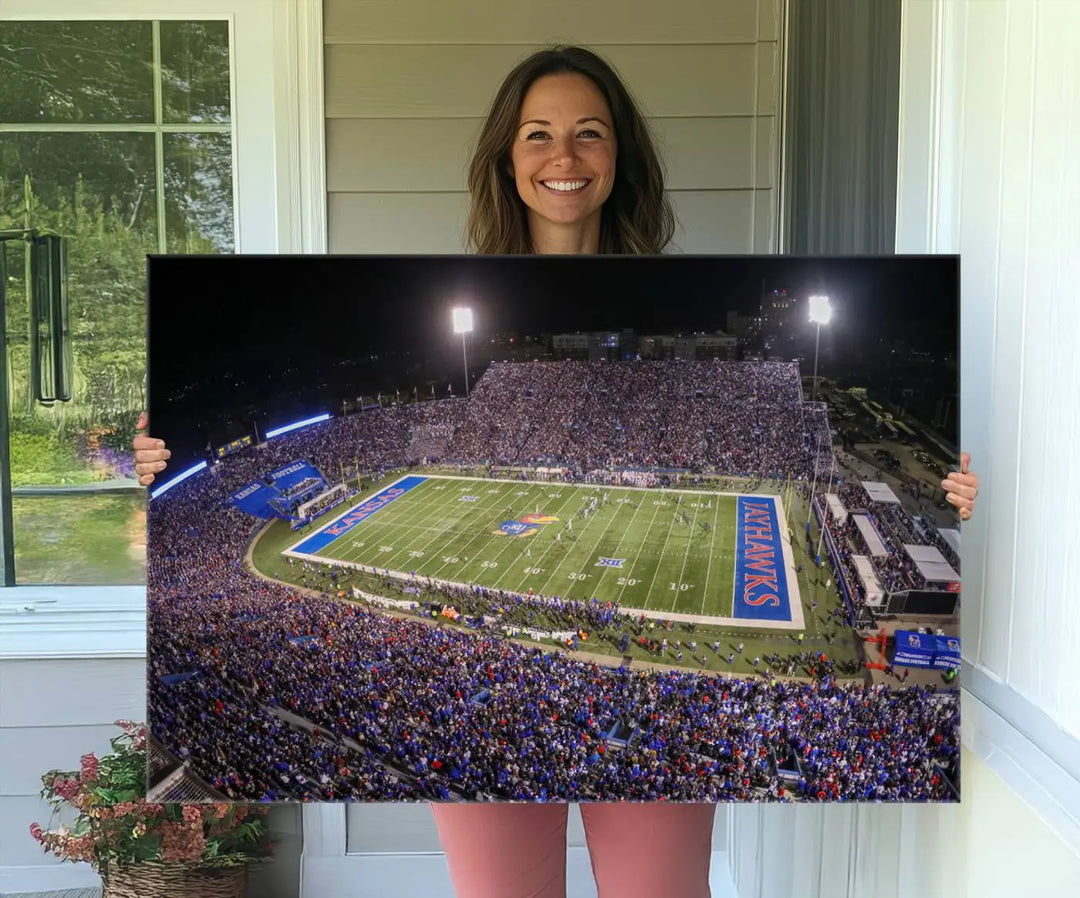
143	848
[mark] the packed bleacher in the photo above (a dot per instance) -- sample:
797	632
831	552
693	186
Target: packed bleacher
272	692
738	418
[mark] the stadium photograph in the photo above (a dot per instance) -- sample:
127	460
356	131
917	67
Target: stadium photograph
558	529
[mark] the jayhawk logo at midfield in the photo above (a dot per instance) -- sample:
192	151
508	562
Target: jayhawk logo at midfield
525	526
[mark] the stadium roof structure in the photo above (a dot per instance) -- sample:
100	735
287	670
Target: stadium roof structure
875	595
837	507
879	492
932	564
869	534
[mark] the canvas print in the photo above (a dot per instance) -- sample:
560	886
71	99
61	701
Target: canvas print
554	529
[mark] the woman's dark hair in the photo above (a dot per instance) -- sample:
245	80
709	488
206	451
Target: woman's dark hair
637	216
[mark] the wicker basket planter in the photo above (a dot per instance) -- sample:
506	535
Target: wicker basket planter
157	880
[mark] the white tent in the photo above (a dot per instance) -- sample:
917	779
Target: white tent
875	595
879	492
873	541
837	508
932	564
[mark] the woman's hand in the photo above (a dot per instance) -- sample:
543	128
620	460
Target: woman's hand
150	454
961	488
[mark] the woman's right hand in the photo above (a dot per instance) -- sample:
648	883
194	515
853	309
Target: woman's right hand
150	454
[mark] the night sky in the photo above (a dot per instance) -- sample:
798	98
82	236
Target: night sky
270	338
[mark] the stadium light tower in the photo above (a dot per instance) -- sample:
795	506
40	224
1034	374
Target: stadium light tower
463	326
820	313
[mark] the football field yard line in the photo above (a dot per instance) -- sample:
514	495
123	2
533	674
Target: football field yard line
399	528
579	491
394	531
735	560
596	545
439	509
682	570
451	543
618	549
712	551
459	550
478	509
641	543
509	542
524	587
663	550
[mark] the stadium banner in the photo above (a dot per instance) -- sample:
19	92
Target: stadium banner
914	649
254	499
355	515
948	653
296	472
760	579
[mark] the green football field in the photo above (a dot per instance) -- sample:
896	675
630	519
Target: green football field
665	551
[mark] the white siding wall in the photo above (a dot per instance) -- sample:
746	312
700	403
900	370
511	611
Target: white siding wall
990	123
408	84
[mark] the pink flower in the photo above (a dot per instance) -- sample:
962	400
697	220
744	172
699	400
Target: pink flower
192	814
123	808
149	808
36	832
89	767
66	788
221	810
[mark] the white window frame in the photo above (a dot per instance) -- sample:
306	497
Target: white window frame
279	169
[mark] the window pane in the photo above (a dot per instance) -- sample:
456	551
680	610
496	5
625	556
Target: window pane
82	539
76	72
198	193
99	191
195	71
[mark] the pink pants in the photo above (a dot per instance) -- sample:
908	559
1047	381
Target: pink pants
519	850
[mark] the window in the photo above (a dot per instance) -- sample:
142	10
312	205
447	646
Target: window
117	136
128	131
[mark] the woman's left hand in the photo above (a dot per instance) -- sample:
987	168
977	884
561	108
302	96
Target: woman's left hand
961	488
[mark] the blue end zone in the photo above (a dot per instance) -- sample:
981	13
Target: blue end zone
760	579
350	519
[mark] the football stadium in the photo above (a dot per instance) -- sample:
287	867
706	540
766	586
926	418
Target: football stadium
636	580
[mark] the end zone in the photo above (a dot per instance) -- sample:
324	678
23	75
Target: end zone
766	588
342	524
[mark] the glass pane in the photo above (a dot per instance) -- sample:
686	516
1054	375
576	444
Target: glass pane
82	539
198	193
195	71
99	191
76	72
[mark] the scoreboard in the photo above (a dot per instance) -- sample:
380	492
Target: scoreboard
234	446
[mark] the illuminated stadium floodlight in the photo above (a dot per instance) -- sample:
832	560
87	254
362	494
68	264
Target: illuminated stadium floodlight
463	325
820	313
296	425
183	475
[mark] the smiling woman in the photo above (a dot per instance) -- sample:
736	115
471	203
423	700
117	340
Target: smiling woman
566	163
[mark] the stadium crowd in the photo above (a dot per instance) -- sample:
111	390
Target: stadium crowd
739	418
272	693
